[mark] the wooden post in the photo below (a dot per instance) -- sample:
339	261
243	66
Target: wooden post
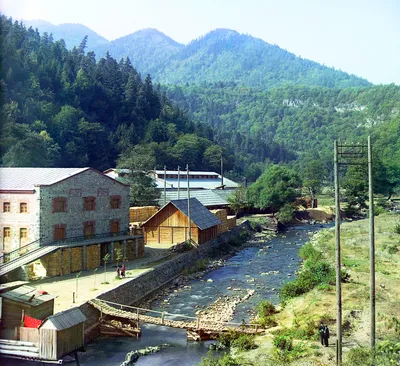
165	184
73	297
22	317
162	318
372	244
137	313
179	181
338	261
188	194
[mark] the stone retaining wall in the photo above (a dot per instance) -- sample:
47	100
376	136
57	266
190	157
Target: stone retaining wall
132	292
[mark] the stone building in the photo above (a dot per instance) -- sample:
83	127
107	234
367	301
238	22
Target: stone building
53	204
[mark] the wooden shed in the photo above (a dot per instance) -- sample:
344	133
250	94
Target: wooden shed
170	224
25	300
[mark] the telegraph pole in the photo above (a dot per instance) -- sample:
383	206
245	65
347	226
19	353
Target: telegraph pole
188	194
351	155
165	184
338	260
372	244
179	181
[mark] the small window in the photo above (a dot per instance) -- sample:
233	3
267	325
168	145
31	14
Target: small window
7	232
6	207
115	202
23	207
88	230
59	204
23	233
89	203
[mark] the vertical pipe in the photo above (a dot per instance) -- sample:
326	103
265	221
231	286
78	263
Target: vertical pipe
165	184
179	182
338	260
372	243
188	194
222	173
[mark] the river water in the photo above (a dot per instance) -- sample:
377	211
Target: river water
245	270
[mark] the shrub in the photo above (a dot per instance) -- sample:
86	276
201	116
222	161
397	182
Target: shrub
265	308
267	322
308	251
284	343
225	360
378	210
285	214
244	342
228	337
397	229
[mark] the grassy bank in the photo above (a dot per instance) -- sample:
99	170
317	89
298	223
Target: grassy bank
311	298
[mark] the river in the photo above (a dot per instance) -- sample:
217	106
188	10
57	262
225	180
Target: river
245	270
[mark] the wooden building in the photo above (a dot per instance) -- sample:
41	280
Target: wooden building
59	335
25	300
170	224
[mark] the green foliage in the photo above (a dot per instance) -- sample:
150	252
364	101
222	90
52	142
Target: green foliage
284	343
228	337
276	187
244	342
397	229
315	272
285	213
238	200
387	353
265	308
201	265
211	360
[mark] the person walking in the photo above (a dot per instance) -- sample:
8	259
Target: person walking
123	271
321	330
326	336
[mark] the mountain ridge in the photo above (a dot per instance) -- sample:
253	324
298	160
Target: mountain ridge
221	55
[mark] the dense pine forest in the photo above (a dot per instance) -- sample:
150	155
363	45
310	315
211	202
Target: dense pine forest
69	107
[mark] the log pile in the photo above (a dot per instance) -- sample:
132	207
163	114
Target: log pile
66	261
231	220
140	214
76	259
92	256
221	214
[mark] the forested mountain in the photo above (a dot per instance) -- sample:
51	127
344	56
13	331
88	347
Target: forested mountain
62	108
221	55
72	34
299	121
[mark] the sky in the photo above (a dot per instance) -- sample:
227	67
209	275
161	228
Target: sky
361	37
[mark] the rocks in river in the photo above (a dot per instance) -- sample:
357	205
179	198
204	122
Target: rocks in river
210	280
268	273
229	288
133	356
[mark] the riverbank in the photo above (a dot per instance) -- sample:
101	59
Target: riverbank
304	312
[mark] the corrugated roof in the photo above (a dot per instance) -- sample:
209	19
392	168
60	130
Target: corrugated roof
205	196
196	183
199	214
27	178
183	172
66	319
25	293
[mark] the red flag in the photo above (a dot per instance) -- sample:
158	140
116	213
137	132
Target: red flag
31	322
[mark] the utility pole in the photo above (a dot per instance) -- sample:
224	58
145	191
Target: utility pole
188	194
372	244
338	260
179	181
222	173
351	155
165	184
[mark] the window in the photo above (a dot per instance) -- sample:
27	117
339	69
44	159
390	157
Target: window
7	232
88	229
115	202
59	204
89	203
114	227
23	233
59	232
23	207
6	207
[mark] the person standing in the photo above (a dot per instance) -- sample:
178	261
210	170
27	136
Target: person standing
321	330
118	272
326	336
123	271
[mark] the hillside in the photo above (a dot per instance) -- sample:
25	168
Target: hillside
221	55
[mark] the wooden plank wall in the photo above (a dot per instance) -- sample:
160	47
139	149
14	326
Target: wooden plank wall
69	340
29	335
48	344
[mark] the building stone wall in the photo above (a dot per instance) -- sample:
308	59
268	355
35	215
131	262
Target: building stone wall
86	184
16	220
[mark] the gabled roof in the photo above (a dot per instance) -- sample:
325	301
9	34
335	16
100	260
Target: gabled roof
64	320
27	295
183	173
26	179
199	214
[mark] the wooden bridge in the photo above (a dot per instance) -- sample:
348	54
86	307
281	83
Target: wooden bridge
197	328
